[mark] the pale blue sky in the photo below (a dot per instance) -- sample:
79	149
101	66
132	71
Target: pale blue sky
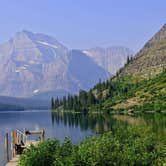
85	23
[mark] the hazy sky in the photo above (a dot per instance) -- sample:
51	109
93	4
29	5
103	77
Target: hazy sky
85	23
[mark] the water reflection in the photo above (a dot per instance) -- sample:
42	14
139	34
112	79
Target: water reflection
76	126
33	120
133	120
99	123
95	122
157	122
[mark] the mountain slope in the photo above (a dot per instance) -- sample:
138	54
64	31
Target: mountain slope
111	59
36	63
141	83
84	68
146	95
20	104
139	86
152	57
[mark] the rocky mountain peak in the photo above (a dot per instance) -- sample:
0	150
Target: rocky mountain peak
34	63
40	39
152	57
37	64
159	36
111	58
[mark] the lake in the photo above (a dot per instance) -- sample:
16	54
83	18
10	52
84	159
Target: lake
75	126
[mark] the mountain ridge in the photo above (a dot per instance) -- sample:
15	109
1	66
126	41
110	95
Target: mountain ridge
110	58
139	86
34	63
151	59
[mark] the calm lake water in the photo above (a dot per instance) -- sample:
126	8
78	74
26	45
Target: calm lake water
76	126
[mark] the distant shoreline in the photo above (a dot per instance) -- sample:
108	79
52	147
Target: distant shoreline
23	111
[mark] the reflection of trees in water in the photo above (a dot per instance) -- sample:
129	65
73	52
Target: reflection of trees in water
104	122
96	122
130	119
157	122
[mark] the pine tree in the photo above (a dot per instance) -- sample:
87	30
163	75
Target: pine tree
128	59
64	102
83	98
52	103
91	99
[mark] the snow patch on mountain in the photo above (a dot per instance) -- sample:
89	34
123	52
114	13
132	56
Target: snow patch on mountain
33	62
17	71
23	68
36	91
47	44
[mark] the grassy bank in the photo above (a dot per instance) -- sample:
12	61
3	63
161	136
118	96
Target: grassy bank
134	146
120	94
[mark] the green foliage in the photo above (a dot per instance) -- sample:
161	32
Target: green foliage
77	103
42	155
134	146
151	92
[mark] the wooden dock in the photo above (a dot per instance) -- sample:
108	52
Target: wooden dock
14	161
20	142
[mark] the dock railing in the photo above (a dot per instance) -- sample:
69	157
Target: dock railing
20	139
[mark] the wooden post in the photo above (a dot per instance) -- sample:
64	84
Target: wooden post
25	139
14	135
7	147
42	135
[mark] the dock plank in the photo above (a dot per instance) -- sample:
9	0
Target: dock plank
14	161
27	143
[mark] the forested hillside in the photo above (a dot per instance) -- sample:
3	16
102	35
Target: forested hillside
122	93
139	86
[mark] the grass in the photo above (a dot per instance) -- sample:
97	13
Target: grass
143	95
133	146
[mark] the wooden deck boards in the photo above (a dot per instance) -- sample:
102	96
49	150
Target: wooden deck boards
13	162
16	135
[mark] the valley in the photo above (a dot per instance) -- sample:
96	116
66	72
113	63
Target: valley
83	83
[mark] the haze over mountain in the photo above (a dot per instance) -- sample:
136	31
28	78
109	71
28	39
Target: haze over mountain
139	86
36	64
111	59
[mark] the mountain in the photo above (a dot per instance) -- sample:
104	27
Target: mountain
36	63
111	59
13	103
151	59
139	86
8	107
84	68
46	96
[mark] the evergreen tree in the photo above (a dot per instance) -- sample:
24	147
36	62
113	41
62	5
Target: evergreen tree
83	98
76	103
64	102
91	99
128	59
52	103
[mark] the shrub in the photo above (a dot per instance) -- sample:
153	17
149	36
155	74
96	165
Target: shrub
134	146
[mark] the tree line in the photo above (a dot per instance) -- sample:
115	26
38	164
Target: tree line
78	103
96	96
103	90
